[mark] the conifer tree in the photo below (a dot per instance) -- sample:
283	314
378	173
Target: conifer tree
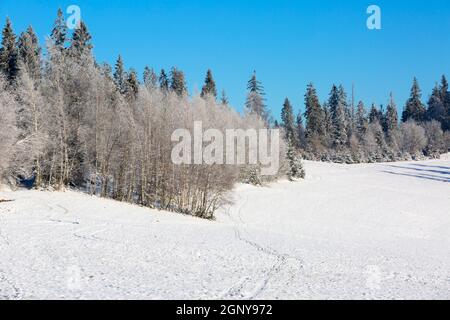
390	122
178	82
30	53
288	123
224	98
9	58
80	44
375	115
445	97
59	32
338	116
314	116
436	107
209	88
163	81
120	76
300	131
361	120
150	78
295	166
414	108
255	103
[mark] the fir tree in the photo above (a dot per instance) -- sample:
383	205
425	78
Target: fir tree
338	114
361	120
59	32
9	58
414	108
254	85
314	116
163	81
120	76
209	89
178	82
287	118
224	98
390	122
80	44
445	97
150	78
295	167
30	53
255	103
436	106
300	131
375	115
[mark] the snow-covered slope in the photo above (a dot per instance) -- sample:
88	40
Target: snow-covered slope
360	231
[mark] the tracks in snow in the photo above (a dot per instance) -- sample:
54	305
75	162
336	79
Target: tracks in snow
251	286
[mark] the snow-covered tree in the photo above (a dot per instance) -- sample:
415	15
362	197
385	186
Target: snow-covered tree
9	57
414	108
288	123
178	82
337	105
30	53
255	103
295	166
314	118
209	88
150	78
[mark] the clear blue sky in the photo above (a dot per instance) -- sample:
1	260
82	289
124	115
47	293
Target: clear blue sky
288	43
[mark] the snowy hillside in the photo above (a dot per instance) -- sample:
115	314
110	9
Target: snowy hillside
360	231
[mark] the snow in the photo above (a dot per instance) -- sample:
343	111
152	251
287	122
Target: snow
369	231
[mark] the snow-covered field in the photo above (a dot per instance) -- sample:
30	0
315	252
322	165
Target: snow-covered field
362	231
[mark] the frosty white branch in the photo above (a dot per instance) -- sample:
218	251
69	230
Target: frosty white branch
240	147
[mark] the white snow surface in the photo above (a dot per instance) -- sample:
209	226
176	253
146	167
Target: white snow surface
369	231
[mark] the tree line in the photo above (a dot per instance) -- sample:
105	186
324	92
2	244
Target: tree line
339	131
68	121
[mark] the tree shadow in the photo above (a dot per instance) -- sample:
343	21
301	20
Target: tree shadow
422	170
430	166
420	176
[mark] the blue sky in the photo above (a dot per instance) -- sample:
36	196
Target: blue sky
288	43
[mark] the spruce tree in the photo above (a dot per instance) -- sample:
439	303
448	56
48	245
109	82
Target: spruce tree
120	76
150	78
163	81
209	88
9	58
80	44
390	122
314	116
224	98
59	31
288	123
375	115
436	106
255	103
361	120
445	97
337	106
295	166
30	53
300	131
178	82
414	108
